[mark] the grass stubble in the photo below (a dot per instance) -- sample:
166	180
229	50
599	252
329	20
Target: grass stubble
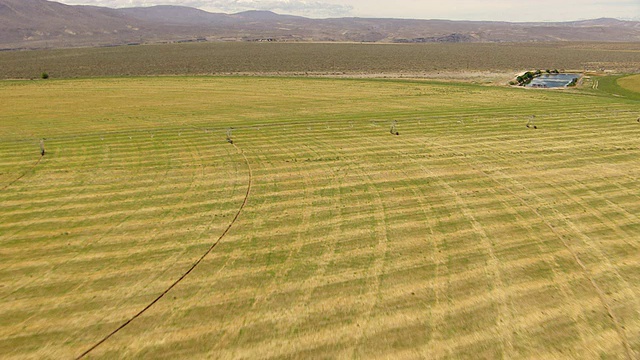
468	235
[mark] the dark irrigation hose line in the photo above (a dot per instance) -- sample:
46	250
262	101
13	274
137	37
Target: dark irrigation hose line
23	174
244	203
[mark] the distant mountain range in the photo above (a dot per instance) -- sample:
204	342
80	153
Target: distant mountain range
26	24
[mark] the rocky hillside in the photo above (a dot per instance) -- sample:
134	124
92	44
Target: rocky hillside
28	24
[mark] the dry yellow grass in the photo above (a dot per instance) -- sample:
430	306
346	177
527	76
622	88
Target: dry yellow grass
467	236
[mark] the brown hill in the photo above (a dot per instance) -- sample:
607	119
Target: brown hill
174	15
38	23
47	24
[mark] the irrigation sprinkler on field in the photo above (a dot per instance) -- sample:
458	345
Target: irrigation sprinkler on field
394	128
42	151
229	139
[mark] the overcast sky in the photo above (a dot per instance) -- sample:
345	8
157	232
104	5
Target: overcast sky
499	10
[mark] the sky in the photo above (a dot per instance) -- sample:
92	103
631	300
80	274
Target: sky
495	10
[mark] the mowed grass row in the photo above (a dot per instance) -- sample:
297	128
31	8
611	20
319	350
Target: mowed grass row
469	235
92	206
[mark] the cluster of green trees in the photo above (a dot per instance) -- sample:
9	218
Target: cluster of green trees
526	78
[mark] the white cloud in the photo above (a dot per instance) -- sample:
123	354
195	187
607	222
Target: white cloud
501	10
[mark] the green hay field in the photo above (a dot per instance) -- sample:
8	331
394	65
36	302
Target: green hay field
469	235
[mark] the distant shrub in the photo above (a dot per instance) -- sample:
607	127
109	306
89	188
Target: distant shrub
44	75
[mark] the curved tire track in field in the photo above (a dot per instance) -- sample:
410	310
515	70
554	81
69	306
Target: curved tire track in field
224	233
586	272
296	244
376	270
23	174
85	246
496	271
159	179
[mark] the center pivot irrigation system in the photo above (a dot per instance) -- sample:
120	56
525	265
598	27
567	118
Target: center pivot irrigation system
530	123
229	139
42	152
213	245
394	128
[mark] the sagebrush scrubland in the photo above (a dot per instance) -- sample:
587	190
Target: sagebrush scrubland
475	61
